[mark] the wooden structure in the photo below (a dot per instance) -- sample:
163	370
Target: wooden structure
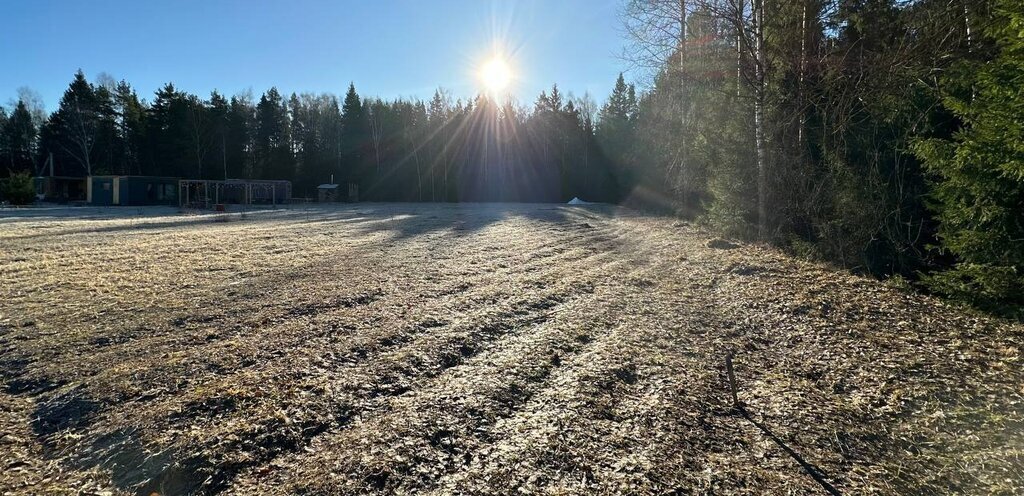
131	190
206	193
327	193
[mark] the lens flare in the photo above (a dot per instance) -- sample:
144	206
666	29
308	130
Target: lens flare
496	76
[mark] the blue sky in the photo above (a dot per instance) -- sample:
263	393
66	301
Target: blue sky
389	48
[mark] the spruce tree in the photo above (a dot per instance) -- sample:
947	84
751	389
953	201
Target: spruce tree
19	139
219	111
355	139
169	134
616	132
978	185
273	138
107	139
74	128
4	159
131	120
199	127
240	134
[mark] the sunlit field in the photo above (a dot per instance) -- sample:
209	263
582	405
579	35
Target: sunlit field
478	349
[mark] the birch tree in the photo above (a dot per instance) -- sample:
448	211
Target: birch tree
77	122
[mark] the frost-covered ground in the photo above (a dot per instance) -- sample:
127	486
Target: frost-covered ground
485	349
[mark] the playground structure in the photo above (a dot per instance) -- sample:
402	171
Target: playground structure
205	193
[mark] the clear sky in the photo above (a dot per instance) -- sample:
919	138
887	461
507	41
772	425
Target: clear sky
389	48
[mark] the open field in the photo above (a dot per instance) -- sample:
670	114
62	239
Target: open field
479	349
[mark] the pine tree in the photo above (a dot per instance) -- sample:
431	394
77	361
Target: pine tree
240	138
355	138
302	130
616	132
199	127
4	152
274	157
74	128
19	139
555	100
440	115
169	134
107	138
219	116
331	131
131	120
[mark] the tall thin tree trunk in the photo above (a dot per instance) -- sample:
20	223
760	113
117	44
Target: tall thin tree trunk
84	139
970	47
759	110
419	180
446	163
682	101
967	27
224	153
800	82
199	160
739	48
433	164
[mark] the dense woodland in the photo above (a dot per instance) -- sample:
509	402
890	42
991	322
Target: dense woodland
399	150
882	135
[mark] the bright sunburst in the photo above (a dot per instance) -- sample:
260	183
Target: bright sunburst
496	76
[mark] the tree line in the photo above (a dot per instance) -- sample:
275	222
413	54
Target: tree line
881	135
444	149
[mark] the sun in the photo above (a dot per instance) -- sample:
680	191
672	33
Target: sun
496	76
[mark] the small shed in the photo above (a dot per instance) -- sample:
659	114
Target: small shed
327	193
131	190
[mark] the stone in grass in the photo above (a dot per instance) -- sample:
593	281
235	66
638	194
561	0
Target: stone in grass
721	244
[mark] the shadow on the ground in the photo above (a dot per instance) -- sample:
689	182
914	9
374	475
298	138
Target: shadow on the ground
406	220
813	470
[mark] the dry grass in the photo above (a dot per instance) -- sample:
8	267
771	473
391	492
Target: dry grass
479	349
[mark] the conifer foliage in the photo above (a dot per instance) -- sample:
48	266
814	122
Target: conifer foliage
881	135
394	150
978	174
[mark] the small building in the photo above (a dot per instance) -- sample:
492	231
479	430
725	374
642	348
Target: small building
60	189
327	193
131	190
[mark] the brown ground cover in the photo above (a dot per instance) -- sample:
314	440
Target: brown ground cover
479	349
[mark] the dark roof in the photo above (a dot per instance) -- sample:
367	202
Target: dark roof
238	181
168	178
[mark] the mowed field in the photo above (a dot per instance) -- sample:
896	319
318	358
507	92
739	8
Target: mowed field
479	349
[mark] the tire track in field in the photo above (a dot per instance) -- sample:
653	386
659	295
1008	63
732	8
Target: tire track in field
526	360
639	409
312	429
141	342
587	434
453	364
548	254
582	405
